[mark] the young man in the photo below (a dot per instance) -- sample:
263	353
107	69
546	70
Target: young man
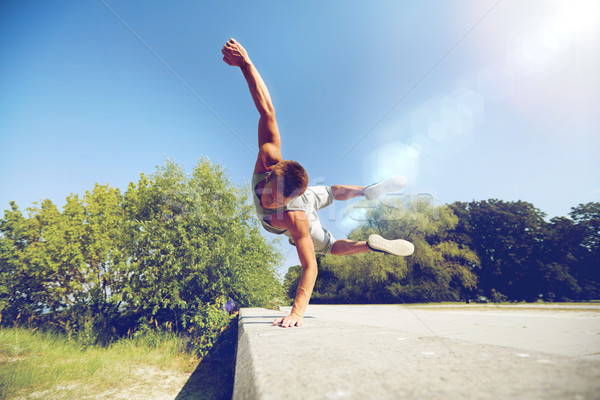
286	205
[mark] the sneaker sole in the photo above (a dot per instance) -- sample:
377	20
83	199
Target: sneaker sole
389	185
398	247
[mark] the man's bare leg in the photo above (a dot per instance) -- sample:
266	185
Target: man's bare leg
345	247
346	192
392	184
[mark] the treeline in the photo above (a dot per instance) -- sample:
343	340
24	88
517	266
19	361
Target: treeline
174	251
505	251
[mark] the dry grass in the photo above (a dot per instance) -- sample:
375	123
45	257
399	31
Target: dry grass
35	364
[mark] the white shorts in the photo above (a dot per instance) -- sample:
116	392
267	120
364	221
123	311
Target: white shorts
314	199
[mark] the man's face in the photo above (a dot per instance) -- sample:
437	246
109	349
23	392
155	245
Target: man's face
272	195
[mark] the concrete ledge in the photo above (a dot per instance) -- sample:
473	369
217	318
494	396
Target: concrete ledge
391	352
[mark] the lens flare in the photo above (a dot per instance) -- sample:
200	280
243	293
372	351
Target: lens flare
577	16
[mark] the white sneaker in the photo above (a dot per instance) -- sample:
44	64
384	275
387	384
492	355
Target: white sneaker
398	247
391	184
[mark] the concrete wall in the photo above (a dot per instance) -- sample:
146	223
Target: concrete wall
400	352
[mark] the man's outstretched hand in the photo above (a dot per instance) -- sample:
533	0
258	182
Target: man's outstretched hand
234	54
289	321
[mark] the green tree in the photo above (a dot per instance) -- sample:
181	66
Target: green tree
522	255
193	241
94	226
587	229
15	293
559	260
39	267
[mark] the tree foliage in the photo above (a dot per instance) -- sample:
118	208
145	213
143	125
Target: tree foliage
584	241
501	250
524	257
167	253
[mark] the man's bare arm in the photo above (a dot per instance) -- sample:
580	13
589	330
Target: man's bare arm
269	141
297	223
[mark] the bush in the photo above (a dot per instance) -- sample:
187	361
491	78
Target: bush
161	256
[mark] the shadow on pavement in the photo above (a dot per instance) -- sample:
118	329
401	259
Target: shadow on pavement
213	377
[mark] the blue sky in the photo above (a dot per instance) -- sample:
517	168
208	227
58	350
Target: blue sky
470	100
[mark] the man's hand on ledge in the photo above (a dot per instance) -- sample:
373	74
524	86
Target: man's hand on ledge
289	321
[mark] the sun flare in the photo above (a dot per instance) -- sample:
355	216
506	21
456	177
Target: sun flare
577	16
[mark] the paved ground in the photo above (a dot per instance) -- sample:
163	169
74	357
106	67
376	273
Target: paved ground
565	330
422	352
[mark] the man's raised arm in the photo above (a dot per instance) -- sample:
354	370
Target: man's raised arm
269	142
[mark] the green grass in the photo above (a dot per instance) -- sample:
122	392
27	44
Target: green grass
515	306
36	364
